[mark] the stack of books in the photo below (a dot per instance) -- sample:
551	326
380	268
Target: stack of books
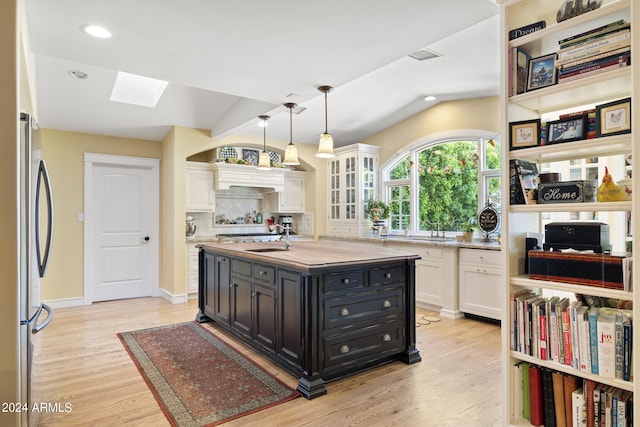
599	50
596	340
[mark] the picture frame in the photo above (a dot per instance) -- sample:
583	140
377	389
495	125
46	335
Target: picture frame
250	156
565	130
541	72
524	134
613	118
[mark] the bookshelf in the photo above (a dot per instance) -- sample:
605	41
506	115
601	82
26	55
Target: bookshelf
519	220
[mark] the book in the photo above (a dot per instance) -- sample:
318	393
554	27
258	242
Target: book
554	347
570	384
517	391
521	68
588	388
606	342
583	339
578	408
593	338
570	70
627	336
535	396
558	394
619	344
548	397
566	336
593	34
590	59
526	391
593	70
561	307
604	42
592	52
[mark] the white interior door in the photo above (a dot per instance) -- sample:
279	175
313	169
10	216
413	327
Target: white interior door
122	218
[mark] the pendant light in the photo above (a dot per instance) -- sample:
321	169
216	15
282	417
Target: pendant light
291	153
325	146
264	163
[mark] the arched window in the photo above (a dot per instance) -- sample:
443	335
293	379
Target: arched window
440	184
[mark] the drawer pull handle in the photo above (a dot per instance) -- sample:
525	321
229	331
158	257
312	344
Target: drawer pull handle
262	273
387	275
344	349
345	281
386	338
222	260
479	270
386	303
344	311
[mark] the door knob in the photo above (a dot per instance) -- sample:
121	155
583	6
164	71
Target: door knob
146	238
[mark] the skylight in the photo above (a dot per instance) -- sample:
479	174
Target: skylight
137	90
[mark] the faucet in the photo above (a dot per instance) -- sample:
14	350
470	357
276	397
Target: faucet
437	225
287	240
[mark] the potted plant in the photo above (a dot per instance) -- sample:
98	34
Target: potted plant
467	230
377	211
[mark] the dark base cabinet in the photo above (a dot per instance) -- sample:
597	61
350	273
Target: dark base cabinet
319	324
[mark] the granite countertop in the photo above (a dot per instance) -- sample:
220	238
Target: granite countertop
422	241
312	254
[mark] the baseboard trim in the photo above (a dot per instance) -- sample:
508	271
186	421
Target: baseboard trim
65	303
174	299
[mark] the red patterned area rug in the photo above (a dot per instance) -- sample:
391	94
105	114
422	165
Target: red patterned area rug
197	379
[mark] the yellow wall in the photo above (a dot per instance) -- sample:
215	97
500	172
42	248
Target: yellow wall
64	154
475	113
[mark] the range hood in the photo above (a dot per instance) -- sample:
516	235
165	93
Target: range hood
229	175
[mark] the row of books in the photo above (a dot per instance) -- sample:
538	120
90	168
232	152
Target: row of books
596	340
551	398
595	51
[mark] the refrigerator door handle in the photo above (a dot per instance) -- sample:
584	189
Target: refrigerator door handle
43	176
37	328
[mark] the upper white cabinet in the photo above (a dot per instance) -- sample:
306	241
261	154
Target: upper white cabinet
200	196
291	199
352	176
543	101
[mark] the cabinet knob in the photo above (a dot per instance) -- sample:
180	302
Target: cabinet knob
343	311
386	303
387	275
344	349
222	260
262	273
345	281
253	294
386	338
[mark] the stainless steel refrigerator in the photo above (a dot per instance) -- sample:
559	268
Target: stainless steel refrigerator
36	232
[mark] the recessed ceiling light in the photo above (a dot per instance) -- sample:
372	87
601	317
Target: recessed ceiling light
430	98
96	31
77	74
137	90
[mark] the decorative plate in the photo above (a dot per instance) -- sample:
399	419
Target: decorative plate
275	157
228	153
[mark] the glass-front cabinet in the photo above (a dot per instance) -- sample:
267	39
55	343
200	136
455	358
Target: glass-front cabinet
352	178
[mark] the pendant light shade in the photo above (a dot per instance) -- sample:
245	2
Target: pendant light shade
264	163
291	153
325	146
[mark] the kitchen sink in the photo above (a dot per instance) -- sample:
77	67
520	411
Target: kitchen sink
266	250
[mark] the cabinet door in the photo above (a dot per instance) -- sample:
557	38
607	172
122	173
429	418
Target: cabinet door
208	284
290	317
264	315
430	281
222	303
241	304
200	196
480	290
335	189
291	200
350	188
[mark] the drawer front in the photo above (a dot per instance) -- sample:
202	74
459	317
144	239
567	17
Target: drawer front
479	256
343	280
371	342
264	273
341	312
241	267
386	275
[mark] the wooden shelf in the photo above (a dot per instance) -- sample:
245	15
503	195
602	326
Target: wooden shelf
573	207
525	282
587	148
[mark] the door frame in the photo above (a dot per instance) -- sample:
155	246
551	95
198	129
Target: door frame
92	159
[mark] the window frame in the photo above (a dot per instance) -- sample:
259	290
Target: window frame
411	151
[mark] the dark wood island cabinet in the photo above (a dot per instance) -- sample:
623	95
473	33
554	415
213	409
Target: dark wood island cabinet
321	311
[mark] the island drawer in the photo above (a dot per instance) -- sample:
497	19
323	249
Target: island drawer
241	267
386	275
343	280
264	273
339	312
373	342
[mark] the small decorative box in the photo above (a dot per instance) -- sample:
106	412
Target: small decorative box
566	192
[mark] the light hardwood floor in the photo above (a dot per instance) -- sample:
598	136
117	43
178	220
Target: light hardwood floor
80	361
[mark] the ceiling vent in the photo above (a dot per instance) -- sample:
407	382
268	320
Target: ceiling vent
298	109
423	54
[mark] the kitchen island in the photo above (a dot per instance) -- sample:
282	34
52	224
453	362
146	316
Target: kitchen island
321	311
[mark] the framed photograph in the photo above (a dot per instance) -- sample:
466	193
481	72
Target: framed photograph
524	134
565	130
542	72
251	156
613	118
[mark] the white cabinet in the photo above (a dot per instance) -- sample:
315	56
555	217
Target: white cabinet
291	199
192	268
546	103
352	176
200	196
479	282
